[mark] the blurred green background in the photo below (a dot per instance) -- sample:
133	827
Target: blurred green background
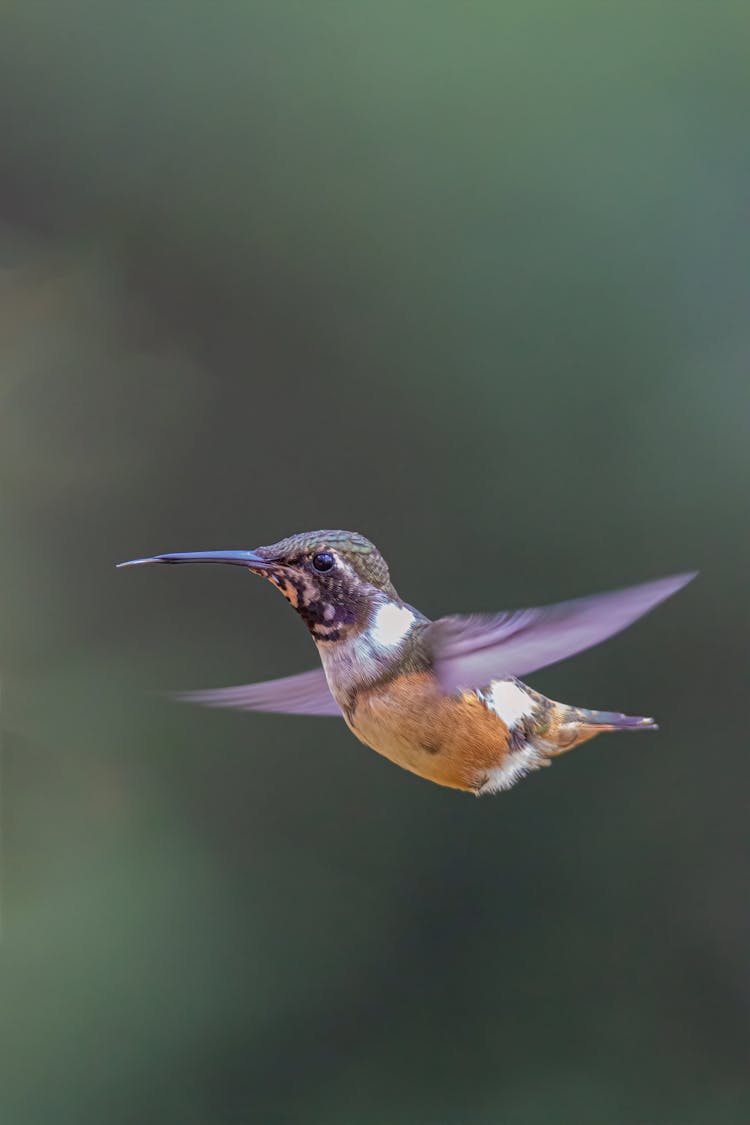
471	279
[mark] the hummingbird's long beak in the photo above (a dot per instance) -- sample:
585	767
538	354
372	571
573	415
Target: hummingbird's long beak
239	558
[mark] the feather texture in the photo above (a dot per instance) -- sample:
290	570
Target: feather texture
469	652
304	694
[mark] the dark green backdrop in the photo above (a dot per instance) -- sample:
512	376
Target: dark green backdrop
472	279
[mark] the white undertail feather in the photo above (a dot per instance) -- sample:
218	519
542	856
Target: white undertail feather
522	761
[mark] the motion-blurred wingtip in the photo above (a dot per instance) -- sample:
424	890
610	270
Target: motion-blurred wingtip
674	582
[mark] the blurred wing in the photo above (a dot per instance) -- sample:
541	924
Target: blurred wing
305	694
470	651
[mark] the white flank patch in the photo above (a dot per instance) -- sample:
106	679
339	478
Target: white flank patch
509	701
391	624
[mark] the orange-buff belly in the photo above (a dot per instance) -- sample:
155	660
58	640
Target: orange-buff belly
453	740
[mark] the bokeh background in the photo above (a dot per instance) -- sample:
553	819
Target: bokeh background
472	279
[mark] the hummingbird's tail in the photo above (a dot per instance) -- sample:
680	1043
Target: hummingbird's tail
614	720
576	725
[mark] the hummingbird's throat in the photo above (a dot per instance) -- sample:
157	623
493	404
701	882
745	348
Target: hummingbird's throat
326	618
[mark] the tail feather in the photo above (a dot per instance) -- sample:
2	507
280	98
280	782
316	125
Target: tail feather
576	725
614	720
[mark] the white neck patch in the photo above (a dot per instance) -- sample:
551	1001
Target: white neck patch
362	657
390	624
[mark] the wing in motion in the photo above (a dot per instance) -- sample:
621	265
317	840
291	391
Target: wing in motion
305	694
470	651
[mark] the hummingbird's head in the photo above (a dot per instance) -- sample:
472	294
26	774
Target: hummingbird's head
332	578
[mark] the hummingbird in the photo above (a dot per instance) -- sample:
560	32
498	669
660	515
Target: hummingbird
440	698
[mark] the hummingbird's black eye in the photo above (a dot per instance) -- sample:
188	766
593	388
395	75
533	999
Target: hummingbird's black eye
323	560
